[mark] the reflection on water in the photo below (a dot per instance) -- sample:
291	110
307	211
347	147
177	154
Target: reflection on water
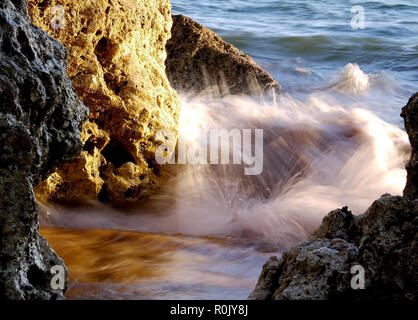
112	264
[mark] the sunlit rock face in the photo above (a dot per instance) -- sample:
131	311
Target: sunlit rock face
116	64
40	123
383	241
200	63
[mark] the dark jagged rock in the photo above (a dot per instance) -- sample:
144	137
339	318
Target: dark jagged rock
200	62
410	115
383	241
40	121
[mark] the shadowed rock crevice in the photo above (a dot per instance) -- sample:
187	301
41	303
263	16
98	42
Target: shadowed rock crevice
105	51
117	154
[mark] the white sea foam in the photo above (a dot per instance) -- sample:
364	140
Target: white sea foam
318	156
351	80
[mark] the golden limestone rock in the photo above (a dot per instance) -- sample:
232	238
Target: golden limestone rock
116	53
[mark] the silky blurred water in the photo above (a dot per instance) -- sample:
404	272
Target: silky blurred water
302	43
334	138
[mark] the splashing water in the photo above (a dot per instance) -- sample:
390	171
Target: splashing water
352	80
318	156
325	146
